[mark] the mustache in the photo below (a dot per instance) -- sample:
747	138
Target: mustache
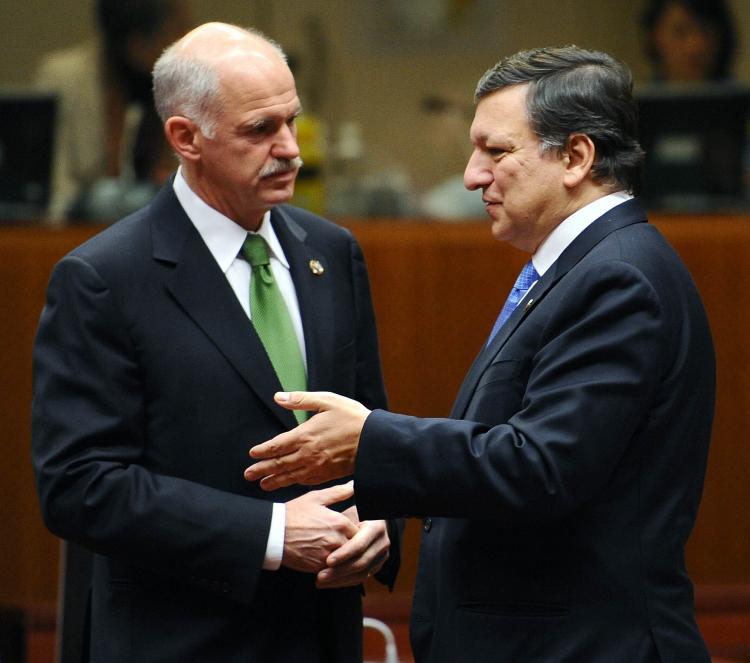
276	166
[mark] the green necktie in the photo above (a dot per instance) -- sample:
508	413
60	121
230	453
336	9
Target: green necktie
272	321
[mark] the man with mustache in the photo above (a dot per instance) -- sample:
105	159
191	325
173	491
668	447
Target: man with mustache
160	347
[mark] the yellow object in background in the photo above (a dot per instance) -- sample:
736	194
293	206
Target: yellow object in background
309	189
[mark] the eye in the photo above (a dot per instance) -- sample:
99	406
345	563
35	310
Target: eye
259	128
496	152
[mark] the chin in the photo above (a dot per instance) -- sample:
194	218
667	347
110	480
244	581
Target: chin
278	196
500	230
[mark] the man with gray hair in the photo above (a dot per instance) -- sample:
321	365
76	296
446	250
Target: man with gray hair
160	347
558	497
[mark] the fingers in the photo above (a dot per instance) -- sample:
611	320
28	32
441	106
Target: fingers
282	479
351	513
358	558
341	576
276	481
321	449
281	445
312	531
334	494
364	545
289	466
271	478
275	475
279	456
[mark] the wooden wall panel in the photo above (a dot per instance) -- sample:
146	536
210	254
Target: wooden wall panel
437	289
717	252
28	553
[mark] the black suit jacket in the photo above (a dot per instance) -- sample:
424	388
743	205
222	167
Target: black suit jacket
559	498
150	386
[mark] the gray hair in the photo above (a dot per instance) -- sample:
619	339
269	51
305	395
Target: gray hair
188	86
572	90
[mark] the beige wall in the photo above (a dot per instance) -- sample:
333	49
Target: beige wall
367	73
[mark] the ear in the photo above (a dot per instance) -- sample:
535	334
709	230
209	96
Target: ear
579	159
184	136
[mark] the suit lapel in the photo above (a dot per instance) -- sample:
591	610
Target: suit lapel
623	215
204	293
488	352
314	295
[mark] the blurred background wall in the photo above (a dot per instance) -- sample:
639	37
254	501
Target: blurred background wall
375	63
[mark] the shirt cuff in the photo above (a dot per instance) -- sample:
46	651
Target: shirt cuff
275	545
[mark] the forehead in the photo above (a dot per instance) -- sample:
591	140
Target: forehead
502	113
256	83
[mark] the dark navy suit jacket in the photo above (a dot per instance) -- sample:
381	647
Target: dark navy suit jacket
150	386
559	497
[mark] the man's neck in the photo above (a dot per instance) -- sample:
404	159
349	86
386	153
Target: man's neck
251	222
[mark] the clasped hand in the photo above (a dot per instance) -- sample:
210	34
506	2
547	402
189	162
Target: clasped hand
340	549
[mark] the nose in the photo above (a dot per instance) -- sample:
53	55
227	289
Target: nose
285	146
478	174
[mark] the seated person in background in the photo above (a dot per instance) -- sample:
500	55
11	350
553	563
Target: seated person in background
109	141
447	122
689	41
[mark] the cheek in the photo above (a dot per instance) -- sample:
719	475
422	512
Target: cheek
247	162
505	179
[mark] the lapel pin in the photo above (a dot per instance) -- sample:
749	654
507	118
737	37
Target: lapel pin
529	304
316	268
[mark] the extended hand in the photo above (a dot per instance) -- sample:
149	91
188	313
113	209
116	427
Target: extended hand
312	531
321	449
360	557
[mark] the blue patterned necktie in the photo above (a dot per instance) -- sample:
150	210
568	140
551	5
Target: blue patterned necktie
526	278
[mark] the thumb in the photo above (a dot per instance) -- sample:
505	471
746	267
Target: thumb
334	494
302	400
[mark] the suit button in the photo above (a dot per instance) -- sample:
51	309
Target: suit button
225	587
427	524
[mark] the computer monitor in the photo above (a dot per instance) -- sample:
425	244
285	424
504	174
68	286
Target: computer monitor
696	143
27	133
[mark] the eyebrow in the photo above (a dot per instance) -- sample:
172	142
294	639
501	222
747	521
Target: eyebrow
496	139
258	125
264	122
478	138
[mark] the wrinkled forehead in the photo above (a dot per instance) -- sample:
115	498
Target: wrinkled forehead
255	82
503	112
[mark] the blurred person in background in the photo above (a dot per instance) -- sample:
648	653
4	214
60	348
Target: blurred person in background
448	126
689	41
110	151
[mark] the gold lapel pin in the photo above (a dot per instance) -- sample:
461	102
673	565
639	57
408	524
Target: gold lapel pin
316	268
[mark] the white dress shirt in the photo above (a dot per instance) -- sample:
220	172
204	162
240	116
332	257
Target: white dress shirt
564	234
224	239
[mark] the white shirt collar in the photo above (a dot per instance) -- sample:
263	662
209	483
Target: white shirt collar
222	236
564	234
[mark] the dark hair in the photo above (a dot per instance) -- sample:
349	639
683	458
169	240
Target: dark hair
714	13
118	19
572	90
